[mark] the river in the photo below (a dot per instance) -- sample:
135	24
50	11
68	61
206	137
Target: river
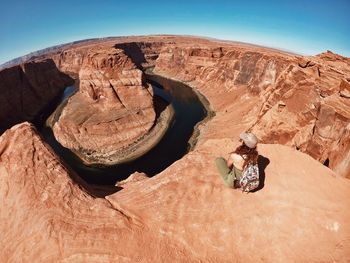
177	141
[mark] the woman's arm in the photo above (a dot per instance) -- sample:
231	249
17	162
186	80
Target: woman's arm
230	162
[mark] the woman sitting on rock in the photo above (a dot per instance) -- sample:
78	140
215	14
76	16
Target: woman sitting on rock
244	155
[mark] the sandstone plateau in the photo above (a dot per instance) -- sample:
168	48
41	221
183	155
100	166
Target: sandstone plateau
299	107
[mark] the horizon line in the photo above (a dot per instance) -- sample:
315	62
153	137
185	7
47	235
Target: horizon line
284	50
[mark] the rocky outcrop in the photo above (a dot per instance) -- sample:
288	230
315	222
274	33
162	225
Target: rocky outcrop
27	89
231	67
292	92
305	111
185	214
112	109
143	54
301	101
345	88
47	214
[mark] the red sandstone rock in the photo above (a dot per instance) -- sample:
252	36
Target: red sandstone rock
292	90
133	178
345	88
111	110
185	214
27	89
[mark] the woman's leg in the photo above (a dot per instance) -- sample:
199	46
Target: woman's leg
225	172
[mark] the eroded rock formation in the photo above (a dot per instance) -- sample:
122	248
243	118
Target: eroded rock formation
112	109
186	214
27	89
302	102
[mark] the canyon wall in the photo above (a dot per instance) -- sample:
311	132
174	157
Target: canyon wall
27	89
185	213
302	101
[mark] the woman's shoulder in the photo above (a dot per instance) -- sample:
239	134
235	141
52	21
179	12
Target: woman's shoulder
237	161
236	156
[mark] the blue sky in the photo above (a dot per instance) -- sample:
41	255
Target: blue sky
305	27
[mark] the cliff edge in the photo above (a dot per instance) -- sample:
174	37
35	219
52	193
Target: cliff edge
184	214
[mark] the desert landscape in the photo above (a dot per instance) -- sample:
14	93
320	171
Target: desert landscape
298	106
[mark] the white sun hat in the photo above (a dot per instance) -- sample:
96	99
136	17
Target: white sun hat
249	139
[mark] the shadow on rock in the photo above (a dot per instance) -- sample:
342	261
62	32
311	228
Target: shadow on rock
102	191
133	50
263	162
27	89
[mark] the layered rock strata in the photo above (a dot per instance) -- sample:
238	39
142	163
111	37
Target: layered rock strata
302	102
185	214
113	109
27	89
